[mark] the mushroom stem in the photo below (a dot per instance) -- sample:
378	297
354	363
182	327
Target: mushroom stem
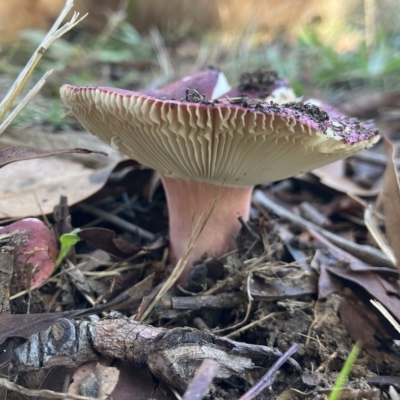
189	203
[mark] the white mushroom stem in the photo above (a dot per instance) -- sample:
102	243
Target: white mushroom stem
189	202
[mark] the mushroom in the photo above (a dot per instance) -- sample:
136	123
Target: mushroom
199	144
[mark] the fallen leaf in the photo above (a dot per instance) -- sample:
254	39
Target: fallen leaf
327	283
33	187
375	285
363	323
25	325
106	239
334	176
14	154
55	379
381	283
391	202
297	284
37	139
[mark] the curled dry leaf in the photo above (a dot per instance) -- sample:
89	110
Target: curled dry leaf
34	186
391	202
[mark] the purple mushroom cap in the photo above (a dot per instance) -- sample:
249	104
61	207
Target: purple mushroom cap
181	132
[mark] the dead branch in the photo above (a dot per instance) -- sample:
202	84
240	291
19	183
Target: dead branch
172	355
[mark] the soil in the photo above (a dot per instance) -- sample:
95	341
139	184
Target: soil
313	323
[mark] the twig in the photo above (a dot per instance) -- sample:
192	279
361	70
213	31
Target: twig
247	226
366	253
268	378
198	388
117	221
48	394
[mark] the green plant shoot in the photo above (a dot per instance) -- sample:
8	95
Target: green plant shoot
345	372
67	241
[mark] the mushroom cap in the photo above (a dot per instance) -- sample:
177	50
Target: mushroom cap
223	142
37	253
210	83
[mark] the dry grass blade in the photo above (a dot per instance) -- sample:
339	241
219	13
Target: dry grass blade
161	52
32	93
180	266
386	314
376	233
391	201
47	394
251	325
55	33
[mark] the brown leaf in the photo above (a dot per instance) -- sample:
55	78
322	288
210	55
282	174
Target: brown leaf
55	380
296	284
106	239
363	323
372	279
141	382
33	187
375	285
14	154
391	202
327	283
25	325
334	176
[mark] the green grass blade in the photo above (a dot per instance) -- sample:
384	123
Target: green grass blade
345	372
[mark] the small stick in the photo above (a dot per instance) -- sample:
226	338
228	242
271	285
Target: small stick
117	221
268	378
198	388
